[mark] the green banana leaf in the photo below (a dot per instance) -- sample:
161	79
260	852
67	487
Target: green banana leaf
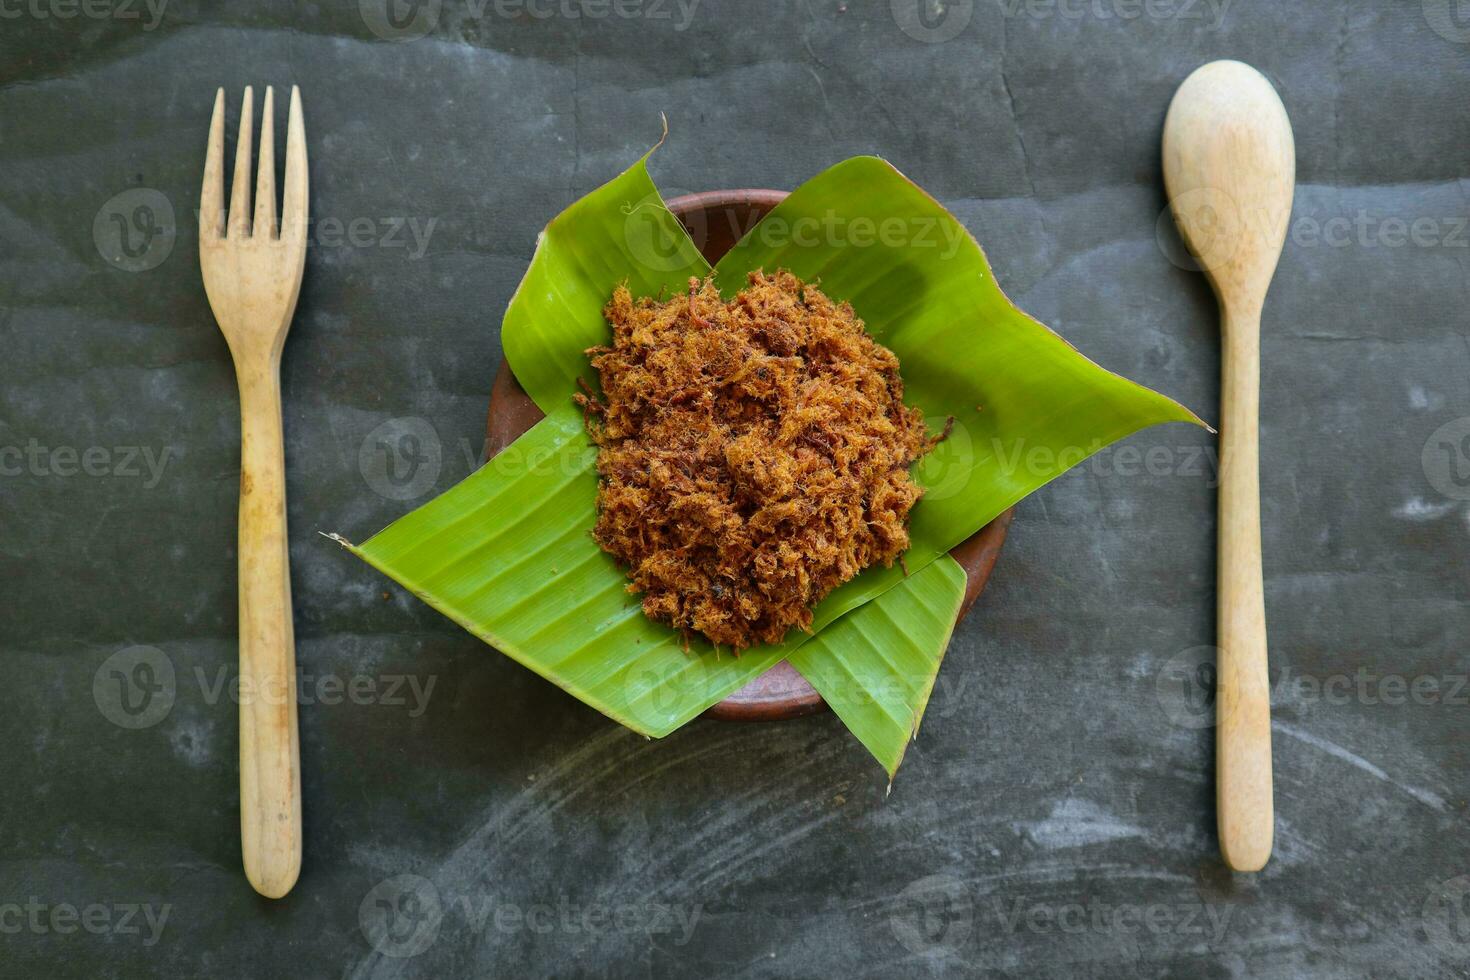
506	553
876	665
621	231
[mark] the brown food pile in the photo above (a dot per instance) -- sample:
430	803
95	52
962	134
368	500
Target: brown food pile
753	454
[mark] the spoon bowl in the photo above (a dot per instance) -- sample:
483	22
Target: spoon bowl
1230	172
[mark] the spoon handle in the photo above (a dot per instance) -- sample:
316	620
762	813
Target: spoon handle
1243	699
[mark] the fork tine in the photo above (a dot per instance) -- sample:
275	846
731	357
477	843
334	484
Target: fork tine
240	190
265	170
212	194
294	202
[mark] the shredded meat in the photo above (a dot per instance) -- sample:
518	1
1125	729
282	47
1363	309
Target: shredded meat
753	455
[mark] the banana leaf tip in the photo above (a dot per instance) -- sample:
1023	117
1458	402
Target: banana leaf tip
334	536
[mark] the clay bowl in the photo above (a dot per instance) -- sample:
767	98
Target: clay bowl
717	220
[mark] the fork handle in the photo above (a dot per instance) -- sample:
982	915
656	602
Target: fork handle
270	767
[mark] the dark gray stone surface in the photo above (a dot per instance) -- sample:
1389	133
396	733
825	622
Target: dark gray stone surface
1054	818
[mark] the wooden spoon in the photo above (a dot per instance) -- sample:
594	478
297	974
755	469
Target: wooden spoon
1230	168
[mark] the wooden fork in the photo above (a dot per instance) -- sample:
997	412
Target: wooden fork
252	274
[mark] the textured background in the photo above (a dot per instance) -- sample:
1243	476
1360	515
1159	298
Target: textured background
1056	815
